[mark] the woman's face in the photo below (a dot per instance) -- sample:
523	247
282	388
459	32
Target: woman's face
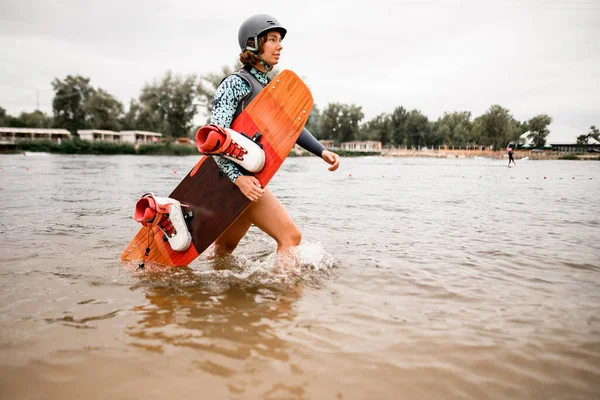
272	48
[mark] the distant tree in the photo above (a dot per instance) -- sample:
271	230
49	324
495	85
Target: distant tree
170	104
103	111
69	97
432	138
397	126
330	121
583	139
495	128
594	133
129	120
417	128
143	117
455	129
444	131
519	128
538	129
10	121
377	129
35	119
313	122
340	122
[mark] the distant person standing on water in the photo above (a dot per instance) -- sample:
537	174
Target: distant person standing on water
510	155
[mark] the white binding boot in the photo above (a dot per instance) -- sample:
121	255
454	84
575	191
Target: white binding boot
167	214
213	139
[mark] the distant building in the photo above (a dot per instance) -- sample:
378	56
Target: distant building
362	145
185	140
328	144
12	135
140	137
593	147
94	135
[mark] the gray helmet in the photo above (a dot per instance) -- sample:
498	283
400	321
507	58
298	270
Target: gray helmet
255	26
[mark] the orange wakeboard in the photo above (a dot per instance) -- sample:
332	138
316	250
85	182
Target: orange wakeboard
278	113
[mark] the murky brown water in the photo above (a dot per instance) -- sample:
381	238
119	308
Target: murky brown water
421	279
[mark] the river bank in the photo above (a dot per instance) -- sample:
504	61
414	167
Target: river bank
83	147
462	153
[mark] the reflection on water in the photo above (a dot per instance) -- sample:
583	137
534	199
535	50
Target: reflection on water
420	279
232	319
226	316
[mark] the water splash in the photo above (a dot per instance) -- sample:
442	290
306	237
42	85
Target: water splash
306	264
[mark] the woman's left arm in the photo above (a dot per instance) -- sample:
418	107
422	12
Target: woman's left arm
308	142
331	158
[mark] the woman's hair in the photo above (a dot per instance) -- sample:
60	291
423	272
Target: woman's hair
249	57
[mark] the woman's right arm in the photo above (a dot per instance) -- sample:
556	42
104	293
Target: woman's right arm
227	97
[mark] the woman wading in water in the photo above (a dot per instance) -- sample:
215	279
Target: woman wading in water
260	39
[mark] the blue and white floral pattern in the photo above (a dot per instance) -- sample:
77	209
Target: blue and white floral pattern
227	97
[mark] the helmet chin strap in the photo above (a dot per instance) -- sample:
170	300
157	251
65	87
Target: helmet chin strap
264	63
256	51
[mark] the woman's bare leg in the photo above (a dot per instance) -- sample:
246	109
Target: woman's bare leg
229	240
269	215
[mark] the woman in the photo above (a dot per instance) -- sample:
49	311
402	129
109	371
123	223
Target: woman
260	39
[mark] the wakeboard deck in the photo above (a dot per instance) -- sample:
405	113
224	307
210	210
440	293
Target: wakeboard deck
278	113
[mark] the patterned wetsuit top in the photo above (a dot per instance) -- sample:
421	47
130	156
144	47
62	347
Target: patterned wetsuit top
227	97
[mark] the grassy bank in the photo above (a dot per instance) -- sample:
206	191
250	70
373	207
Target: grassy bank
168	149
77	146
499	154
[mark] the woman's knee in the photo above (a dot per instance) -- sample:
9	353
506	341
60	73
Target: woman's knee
292	237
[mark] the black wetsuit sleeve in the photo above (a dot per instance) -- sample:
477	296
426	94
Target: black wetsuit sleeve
309	143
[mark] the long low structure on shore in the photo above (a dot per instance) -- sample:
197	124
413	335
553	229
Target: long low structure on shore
122	136
9	135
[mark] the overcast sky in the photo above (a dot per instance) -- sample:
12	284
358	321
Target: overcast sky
532	57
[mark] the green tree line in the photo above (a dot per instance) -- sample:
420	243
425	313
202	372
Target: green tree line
170	104
496	127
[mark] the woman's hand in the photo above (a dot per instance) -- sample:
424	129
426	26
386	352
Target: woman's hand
250	187
331	158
